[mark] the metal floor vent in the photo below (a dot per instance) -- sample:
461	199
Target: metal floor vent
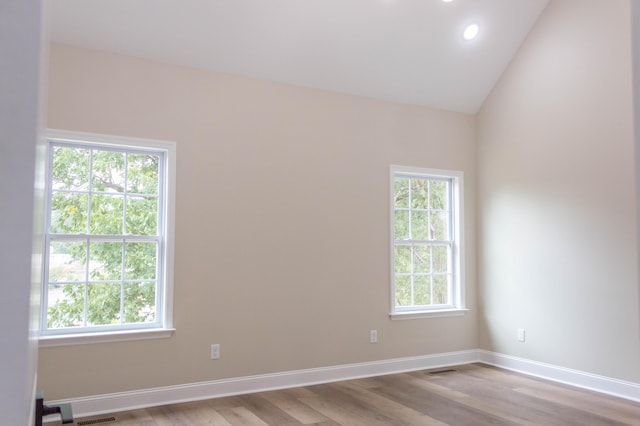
97	421
449	370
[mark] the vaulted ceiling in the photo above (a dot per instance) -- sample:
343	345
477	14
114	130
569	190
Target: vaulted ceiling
409	51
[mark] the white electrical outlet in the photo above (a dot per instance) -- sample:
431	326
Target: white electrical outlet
520	335
215	351
373	336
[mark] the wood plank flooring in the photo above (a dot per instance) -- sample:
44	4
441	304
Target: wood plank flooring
469	395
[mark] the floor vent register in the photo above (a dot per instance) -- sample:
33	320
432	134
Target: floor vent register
101	421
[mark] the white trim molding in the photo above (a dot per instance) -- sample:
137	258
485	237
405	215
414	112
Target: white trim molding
123	401
162	325
114	336
453	241
427	314
580	379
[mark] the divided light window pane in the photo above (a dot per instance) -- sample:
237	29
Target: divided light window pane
104	242
423	252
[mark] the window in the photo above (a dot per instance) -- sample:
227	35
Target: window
426	238
109	234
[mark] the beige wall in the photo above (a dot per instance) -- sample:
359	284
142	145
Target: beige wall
558	242
282	227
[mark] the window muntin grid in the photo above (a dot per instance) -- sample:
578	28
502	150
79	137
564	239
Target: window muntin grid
104	228
424	242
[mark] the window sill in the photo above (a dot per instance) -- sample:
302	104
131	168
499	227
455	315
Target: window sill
113	336
427	314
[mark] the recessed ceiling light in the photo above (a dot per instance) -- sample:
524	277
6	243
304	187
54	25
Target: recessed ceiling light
471	32
447	1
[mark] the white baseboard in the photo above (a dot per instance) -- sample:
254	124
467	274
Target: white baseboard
581	379
122	401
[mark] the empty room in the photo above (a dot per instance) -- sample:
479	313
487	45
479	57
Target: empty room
291	212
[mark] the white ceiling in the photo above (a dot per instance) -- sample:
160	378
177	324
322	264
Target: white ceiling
408	51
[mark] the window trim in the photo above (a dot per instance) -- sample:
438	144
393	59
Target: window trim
458	306
165	327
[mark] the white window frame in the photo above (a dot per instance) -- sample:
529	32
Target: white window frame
457	305
164	326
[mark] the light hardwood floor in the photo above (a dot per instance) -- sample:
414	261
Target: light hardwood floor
466	395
